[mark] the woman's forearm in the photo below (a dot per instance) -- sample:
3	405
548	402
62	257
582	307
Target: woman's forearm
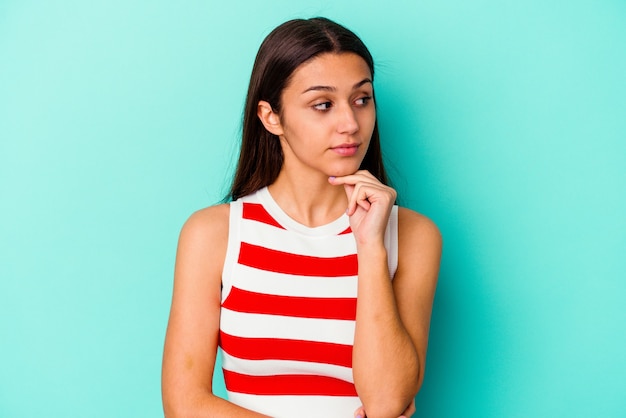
385	362
207	405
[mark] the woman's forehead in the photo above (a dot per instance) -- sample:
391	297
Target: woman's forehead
330	70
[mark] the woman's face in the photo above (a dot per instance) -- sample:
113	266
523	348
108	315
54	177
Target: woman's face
328	115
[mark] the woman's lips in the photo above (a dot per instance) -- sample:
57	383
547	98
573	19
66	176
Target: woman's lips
346	150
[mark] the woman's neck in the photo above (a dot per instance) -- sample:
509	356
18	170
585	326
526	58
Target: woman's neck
310	200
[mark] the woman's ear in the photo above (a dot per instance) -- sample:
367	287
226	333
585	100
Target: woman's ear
269	118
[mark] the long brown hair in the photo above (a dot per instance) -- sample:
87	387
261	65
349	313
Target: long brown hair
283	50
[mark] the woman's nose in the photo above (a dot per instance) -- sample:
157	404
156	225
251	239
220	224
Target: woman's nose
347	123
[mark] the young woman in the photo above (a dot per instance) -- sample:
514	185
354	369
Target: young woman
315	285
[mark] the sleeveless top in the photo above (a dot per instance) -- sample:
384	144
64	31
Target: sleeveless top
288	311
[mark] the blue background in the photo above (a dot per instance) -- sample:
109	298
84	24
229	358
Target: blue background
505	122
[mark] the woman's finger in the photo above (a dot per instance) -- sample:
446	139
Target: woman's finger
364	195
409	411
359	413
359	176
363	189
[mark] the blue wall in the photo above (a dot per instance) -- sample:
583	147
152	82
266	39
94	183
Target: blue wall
505	122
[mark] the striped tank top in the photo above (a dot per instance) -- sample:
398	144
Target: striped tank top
288	311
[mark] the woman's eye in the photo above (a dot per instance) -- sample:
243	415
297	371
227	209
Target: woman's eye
322	106
362	101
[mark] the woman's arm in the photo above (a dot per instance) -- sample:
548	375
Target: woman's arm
193	328
393	317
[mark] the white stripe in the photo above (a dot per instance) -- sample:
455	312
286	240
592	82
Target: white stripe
274	326
268	282
298	406
232	252
278	367
269	236
391	241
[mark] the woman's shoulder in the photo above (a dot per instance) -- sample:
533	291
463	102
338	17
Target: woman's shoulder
417	230
210	223
201	250
419	252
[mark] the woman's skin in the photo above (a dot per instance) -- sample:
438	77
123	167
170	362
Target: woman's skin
324	127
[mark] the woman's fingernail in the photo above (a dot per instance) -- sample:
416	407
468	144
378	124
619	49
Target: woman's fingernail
359	416
332	178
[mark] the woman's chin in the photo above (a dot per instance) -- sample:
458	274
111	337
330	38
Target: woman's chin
343	171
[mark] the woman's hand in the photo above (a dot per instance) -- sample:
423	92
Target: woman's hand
408	412
369	205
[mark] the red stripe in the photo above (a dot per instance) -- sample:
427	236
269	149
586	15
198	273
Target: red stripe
283	349
302	307
256	212
301	265
291	384
346	231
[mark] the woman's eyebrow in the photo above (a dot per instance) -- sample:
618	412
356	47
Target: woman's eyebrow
360	83
320	88
333	89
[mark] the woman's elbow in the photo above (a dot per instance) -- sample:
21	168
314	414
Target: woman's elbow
385	410
173	407
171	410
386	406
181	404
